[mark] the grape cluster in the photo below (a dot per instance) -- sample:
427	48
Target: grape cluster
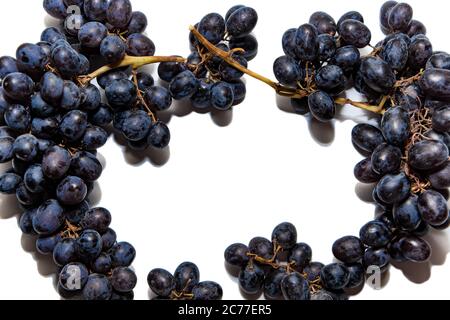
207	80
282	269
184	284
53	126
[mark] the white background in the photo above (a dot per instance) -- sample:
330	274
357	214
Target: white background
228	178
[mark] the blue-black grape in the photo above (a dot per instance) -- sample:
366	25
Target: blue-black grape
251	279
322	106
400	17
375	234
346	57
300	255
272	284
207	290
137	125
158	97
98	287
161	282
118	13
428	155
49	218
393	188
287	71
356	275
395	126
31	59
46	244
71	96
6	149
348	249
415	249
55	8
248	43
186	276
377	74
138	22
9	182
395	53
355	33
306	42
433	207
102	264
212	27
295	287
122	254
285	235
71	191
440	179
65	252
18	86
420	50
262	247
236	255
97	219
91	98
435	83
222	96
90	245
441	120
183	85
329	77
123	279
367	137
73	125
407	215
121	93
386	159
139	45
92	34
335	276
354	15
34	179
241	22
377	258
327	47
324	23
7	65
112	48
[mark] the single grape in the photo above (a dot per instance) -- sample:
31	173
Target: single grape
9	182
415	249
285	235
322	106
123	279
335	276
138	22
435	83
112	48
386	159
122	254
440	179
354	15
393	189
377	258
139	45
212	27
222	96
262	247
65	252
118	13
433	207
355	33
18	86
324	23
400	17
356	275
98	287
161	282
300	255
306	43
377	74
187	276
428	155
272	284
55	8
207	290
407	215
90	245
102	265
121	93
241	22
97	219
295	287
236	255
395	126
49	218
92	34
159	135
158	97
348	249
251	279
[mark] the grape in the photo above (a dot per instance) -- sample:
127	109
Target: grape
136	126
367	137
9	182
236	255
52	88
323	22
112	49
439	60
346	57
375	234
161	282
377	258
428	155
169	70
187	276
89	244
395	53
335	276
91	98
67	61
98	287
51	35
435	83
158	97
239	91
46	244
122	254
407	215
102	116
140	45
348	249
49	218
71	191
44	128
301	255
262	247
109	239
272	284
354	15
92	34
26	198
34	179
295	287
74	214
393	189
415	28
102	264
138	22
385	11
18	86
327	47
183	85
229	73
441	179
118	13
355	33
313	270
86	166
67	275
433	207
441	120
251	279
26	222
97	219
55	8
415	249
288	42
356	275
73	125
71	97
6	149
56	162
395	126
123	279
420	50
212	27
31	59
377	74
121	93
207	290
400	17
321	105
386	159
329	77
285	235
241	22
95	9
248	43
222	96
65	252
145	81
306	43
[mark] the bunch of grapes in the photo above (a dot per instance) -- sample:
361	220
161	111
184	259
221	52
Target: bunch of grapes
283	269
207	80
184	284
54	124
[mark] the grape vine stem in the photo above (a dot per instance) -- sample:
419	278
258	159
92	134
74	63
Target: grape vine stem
128	61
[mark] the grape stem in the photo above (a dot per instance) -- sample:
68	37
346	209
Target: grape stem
227	57
128	61
142	99
362	105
